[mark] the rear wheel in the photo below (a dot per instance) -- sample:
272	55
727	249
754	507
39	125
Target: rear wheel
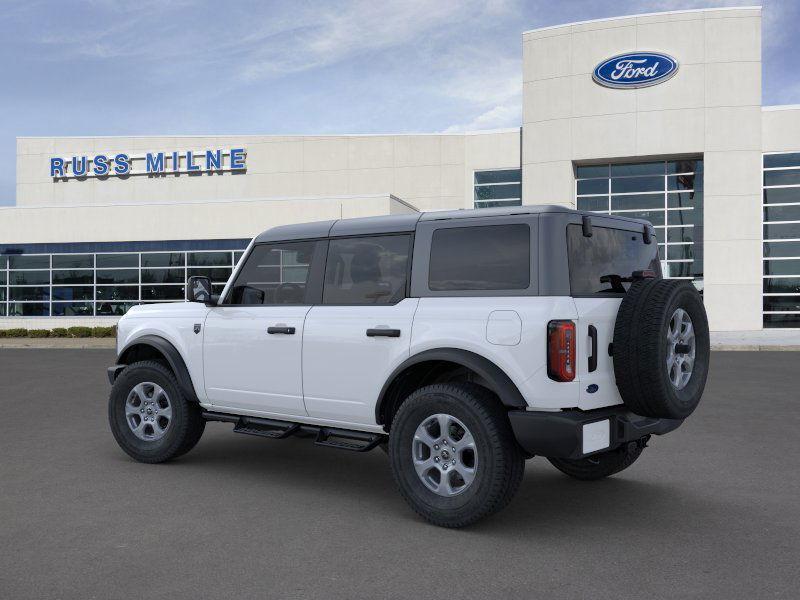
601	465
149	416
453	454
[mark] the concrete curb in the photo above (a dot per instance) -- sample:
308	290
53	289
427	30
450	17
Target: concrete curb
754	348
56	343
762	339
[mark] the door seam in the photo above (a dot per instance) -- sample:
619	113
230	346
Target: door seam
303	359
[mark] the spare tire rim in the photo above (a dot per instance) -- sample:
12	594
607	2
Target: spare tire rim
681	349
148	411
444	455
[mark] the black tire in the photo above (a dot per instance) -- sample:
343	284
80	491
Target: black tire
185	428
500	465
641	348
601	465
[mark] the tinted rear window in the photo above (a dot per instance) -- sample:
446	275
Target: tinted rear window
491	257
607	252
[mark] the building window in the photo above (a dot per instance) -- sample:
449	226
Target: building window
500	187
103	284
668	193
781	300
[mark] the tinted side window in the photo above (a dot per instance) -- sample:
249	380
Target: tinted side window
491	257
607	252
274	274
368	270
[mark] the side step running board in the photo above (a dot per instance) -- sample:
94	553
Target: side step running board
265	427
345	439
332	437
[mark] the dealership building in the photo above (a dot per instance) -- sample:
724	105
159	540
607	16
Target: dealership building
651	116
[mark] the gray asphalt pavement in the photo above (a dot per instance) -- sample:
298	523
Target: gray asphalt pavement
709	511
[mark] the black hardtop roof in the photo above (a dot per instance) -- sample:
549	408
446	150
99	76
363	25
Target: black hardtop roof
406	222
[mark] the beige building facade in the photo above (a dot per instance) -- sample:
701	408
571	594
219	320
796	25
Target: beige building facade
696	153
429	171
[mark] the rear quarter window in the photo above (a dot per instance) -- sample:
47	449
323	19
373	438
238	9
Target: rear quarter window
490	257
607	252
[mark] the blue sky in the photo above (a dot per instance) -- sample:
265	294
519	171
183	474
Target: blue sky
152	67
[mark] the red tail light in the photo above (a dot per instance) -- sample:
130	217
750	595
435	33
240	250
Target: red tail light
561	350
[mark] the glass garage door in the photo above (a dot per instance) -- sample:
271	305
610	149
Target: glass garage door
781	301
668	193
103	283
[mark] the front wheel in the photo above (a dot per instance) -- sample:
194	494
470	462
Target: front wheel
601	465
149	416
453	454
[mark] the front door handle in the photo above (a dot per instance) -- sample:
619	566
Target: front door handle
281	329
383	332
593	355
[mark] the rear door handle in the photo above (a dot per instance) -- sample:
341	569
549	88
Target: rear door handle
383	332
593	355
281	329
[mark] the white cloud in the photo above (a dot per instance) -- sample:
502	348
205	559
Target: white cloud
324	37
463	57
483	83
439	59
498	117
105	29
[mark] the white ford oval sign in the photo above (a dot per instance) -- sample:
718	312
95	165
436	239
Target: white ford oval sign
635	70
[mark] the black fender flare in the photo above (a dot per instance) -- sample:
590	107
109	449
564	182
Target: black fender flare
173	357
497	380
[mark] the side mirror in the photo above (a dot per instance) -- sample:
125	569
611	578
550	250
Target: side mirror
198	289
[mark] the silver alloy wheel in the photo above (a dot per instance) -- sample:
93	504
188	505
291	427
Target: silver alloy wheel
148	411
444	454
681	348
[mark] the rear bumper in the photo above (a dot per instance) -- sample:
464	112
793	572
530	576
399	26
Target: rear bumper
577	433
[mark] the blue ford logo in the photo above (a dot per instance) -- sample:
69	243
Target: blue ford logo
635	70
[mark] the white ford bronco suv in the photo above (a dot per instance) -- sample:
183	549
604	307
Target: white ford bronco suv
463	343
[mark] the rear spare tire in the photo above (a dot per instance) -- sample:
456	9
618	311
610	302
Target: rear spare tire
604	464
661	348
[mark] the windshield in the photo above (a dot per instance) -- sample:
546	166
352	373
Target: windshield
605	262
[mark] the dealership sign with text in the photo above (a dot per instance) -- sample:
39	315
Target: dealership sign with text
122	164
635	70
